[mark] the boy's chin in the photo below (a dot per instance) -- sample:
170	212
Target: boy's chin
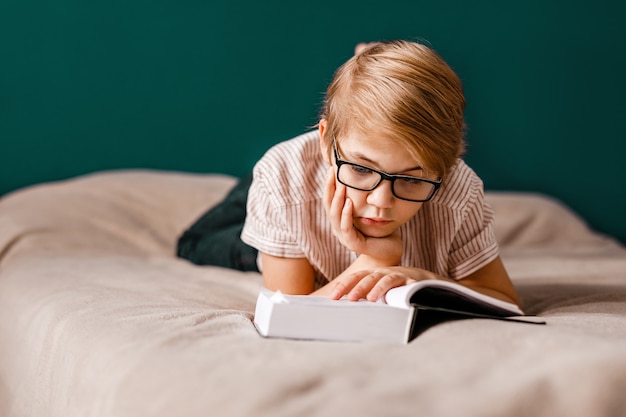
375	232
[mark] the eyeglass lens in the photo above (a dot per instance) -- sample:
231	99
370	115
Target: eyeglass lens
365	179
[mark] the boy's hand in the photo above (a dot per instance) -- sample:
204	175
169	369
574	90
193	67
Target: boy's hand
373	283
386	251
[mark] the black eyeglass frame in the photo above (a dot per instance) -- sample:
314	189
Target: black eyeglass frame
384	176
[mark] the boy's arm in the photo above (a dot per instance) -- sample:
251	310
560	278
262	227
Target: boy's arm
289	275
372	283
367	279
493	280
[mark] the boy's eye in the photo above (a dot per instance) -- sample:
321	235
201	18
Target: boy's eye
411	181
360	170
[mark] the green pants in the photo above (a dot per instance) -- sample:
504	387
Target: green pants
214	239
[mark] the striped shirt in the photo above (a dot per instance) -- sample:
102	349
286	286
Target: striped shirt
451	235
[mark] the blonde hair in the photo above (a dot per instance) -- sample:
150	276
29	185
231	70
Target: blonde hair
405	91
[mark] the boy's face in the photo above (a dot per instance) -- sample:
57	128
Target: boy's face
378	213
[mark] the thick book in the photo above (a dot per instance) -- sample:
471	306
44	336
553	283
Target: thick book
402	314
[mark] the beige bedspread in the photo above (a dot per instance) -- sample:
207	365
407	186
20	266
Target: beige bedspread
99	318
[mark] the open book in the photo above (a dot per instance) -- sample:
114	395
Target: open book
404	313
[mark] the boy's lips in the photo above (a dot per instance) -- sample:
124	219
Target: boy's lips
374	221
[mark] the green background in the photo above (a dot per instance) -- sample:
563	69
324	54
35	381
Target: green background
208	86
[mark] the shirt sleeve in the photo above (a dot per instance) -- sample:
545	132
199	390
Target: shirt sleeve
474	244
268	226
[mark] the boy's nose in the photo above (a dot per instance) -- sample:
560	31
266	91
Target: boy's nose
381	196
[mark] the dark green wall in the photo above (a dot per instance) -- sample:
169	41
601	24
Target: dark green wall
207	86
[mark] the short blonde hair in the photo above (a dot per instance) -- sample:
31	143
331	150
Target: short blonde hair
404	91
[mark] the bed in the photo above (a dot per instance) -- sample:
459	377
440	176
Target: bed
98	317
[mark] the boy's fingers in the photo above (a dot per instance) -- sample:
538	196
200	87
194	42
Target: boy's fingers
344	285
346	224
384	284
337	206
364	286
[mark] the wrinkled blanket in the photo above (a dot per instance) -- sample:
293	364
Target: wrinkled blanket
99	318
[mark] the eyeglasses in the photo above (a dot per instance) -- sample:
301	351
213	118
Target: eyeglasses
404	187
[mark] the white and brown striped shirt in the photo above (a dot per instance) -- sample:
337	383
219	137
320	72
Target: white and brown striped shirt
451	235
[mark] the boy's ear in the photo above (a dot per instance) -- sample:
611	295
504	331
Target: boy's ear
324	141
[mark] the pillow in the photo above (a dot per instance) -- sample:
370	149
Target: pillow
536	220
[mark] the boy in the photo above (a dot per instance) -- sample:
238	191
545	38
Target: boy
378	196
